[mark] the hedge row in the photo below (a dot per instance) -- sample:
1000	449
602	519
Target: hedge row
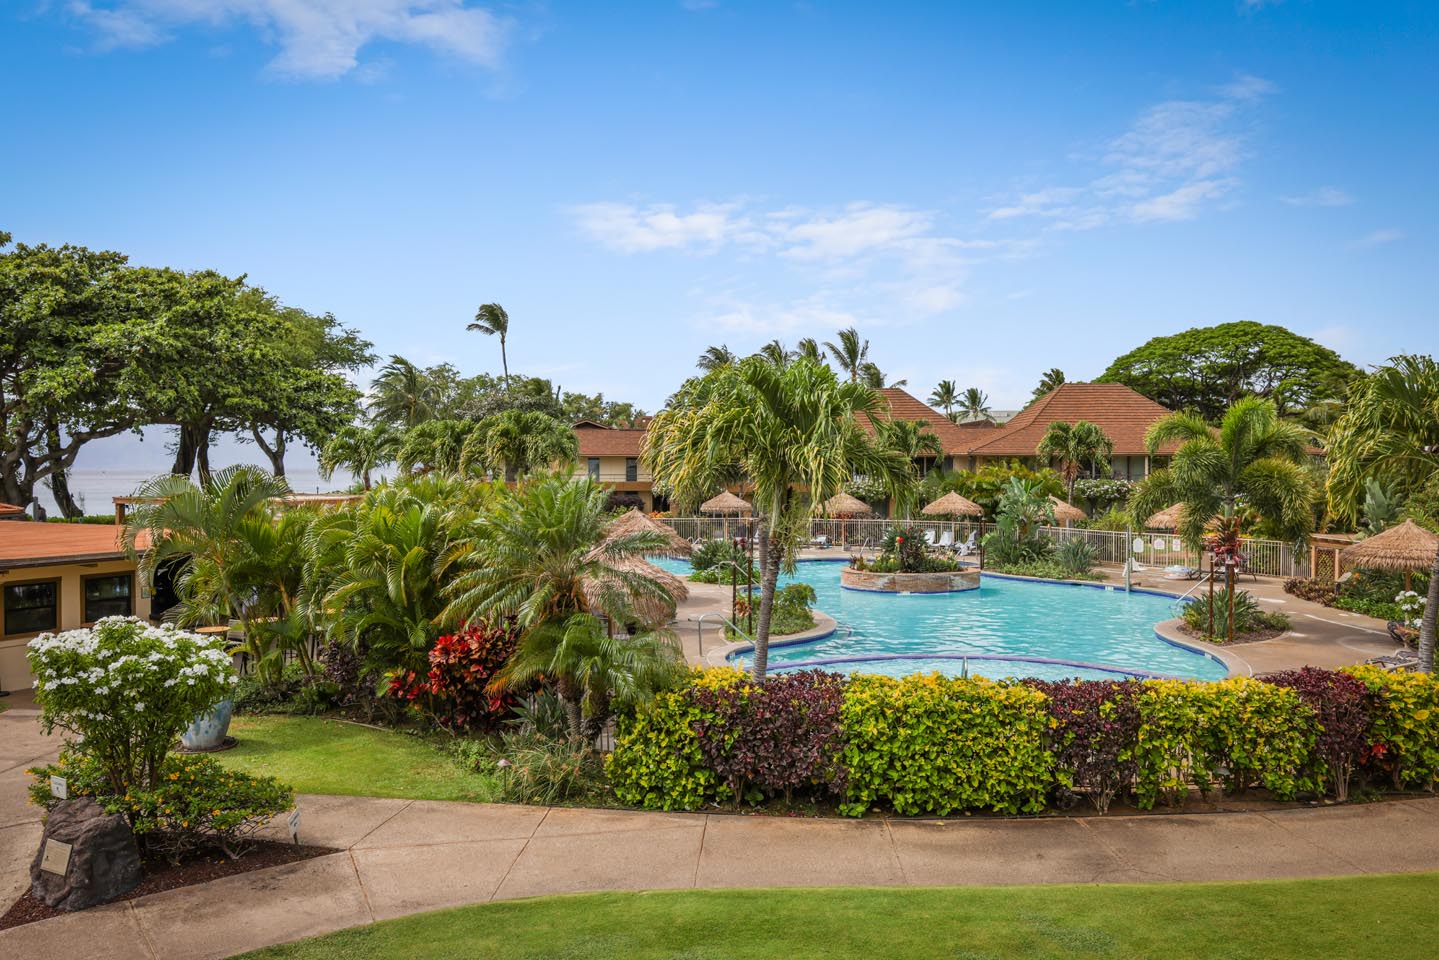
928	744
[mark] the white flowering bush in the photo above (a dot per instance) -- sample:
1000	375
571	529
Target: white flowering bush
1413	606
125	690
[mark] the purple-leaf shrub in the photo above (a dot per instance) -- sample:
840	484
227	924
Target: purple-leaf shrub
1096	728
1341	704
775	737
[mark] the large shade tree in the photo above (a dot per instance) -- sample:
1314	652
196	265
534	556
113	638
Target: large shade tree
794	433
1207	369
1389	435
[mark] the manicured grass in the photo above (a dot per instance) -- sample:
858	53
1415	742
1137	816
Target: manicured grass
316	755
1385	918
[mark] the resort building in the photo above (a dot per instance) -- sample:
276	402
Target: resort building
611	457
60	576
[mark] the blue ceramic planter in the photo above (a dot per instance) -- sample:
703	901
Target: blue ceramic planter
208	732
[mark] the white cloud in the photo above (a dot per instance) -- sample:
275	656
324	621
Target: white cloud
1322	197
316	38
859	229
1180	204
628	228
1376	238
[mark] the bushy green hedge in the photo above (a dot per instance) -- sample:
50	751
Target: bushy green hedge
928	744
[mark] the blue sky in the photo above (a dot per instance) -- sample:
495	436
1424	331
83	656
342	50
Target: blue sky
985	190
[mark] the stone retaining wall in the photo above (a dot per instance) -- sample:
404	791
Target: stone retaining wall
909	582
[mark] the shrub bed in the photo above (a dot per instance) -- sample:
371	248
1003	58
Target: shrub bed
928	744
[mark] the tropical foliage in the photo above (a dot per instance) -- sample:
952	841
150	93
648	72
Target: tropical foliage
1076	448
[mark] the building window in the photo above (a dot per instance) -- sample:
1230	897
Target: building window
594	468
108	596
32	607
632	469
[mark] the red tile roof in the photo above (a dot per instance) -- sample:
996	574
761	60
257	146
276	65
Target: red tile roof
597	441
32	544
1121	413
904	406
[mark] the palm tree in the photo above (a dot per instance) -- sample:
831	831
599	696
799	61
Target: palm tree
715	357
237	562
1255	460
1389	433
1053	377
541	555
1075	447
591	668
851	353
974	404
774	352
491	320
435	446
873	377
792	431
361	450
403	394
809	348
519	442
911	440
375	572
945	396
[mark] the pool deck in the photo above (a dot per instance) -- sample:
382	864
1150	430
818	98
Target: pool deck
400	857
1319	636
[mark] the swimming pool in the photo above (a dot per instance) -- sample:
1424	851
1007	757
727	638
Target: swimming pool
1005	628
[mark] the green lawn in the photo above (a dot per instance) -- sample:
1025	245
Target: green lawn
316	755
1386	918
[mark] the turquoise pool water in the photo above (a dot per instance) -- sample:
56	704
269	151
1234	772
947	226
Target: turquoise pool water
1109	632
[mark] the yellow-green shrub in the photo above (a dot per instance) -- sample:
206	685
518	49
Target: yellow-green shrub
1404	713
657	762
1239	731
933	744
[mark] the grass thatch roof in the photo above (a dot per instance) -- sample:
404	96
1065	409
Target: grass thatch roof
1405	547
725	505
1166	519
953	505
633	522
844	505
1065	512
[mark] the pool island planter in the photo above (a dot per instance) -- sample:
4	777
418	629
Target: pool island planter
946	582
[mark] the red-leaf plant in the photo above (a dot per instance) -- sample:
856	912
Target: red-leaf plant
453	693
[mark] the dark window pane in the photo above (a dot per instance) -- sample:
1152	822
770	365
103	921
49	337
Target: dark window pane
107	597
31	607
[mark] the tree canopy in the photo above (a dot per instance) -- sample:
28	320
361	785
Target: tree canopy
1207	369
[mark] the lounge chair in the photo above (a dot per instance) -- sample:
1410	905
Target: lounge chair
1404	659
967	547
821	541
1179	571
946	540
929	538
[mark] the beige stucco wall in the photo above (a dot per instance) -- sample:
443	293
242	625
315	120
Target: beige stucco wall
14	672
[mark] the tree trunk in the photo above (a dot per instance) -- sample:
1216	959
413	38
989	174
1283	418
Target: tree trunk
1427	624
202	454
59	477
365	476
505	363
184	464
276	453
771	554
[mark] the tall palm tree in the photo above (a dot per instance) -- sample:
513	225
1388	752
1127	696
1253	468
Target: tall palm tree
540	555
1075	447
519	442
1053	377
361	450
775	352
492	321
974	404
592	669
911	440
851	353
1255	460
792	431
945	396
873	377
715	357
1389	434
809	348
402	394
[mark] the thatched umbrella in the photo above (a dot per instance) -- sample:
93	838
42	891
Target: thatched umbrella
725	505
1066	513
633	521
653	612
845	507
953	505
1166	519
1407	547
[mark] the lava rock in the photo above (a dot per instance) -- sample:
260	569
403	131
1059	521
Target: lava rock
104	859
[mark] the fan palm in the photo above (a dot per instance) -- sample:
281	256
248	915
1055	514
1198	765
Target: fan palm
945	396
361	450
403	394
492	321
851	353
592	669
1255	460
518	442
793	431
1075	447
974	404
1389	433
